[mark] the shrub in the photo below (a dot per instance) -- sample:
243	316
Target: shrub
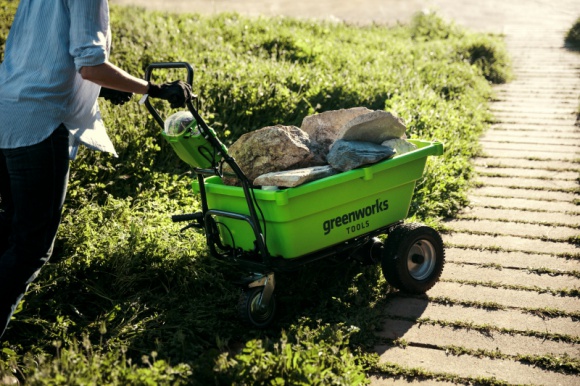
572	38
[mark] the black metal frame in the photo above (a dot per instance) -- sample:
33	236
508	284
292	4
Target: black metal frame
210	136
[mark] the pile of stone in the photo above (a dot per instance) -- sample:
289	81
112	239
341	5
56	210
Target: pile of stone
327	143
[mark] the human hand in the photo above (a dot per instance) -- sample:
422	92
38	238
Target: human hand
114	96
176	93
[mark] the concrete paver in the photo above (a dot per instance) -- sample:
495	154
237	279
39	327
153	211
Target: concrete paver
509	277
560	185
516	215
481	293
564	148
511	260
381	380
511	320
540	195
527	173
439	361
525	154
556	165
526	204
550	232
444	336
528	139
510	243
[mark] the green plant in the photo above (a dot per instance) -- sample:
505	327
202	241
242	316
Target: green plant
311	357
84	364
572	38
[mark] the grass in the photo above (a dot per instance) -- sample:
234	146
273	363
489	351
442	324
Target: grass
128	299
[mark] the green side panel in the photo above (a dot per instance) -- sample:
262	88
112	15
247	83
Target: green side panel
193	148
301	220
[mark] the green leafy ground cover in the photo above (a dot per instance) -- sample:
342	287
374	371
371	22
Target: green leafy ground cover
128	299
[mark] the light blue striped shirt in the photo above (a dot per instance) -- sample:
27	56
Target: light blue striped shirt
40	84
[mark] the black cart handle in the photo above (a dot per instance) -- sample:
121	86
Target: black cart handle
149	71
187	217
204	128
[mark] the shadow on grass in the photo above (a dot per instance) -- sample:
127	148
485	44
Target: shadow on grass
184	308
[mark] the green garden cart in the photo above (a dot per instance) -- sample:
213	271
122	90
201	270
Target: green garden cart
358	214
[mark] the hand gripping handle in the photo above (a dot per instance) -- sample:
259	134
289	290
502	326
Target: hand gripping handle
159	65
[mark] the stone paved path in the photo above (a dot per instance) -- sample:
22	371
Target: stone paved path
509	291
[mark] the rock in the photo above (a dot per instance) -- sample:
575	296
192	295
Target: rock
323	128
376	127
282	148
292	178
271	149
347	155
401	146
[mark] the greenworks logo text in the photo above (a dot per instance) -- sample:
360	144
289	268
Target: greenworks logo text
355	215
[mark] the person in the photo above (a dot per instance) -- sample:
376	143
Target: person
56	64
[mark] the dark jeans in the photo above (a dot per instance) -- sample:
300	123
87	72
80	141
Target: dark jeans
33	182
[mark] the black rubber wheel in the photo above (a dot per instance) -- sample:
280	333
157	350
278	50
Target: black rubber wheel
413	258
251	312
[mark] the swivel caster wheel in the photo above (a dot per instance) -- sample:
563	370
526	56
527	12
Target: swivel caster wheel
252	309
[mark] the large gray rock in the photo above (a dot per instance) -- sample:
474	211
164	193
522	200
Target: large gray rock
376	127
270	149
347	155
292	178
325	128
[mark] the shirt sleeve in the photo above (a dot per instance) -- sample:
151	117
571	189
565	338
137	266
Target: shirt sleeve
89	30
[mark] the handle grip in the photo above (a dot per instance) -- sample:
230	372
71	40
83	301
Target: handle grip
165	65
204	128
186	217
